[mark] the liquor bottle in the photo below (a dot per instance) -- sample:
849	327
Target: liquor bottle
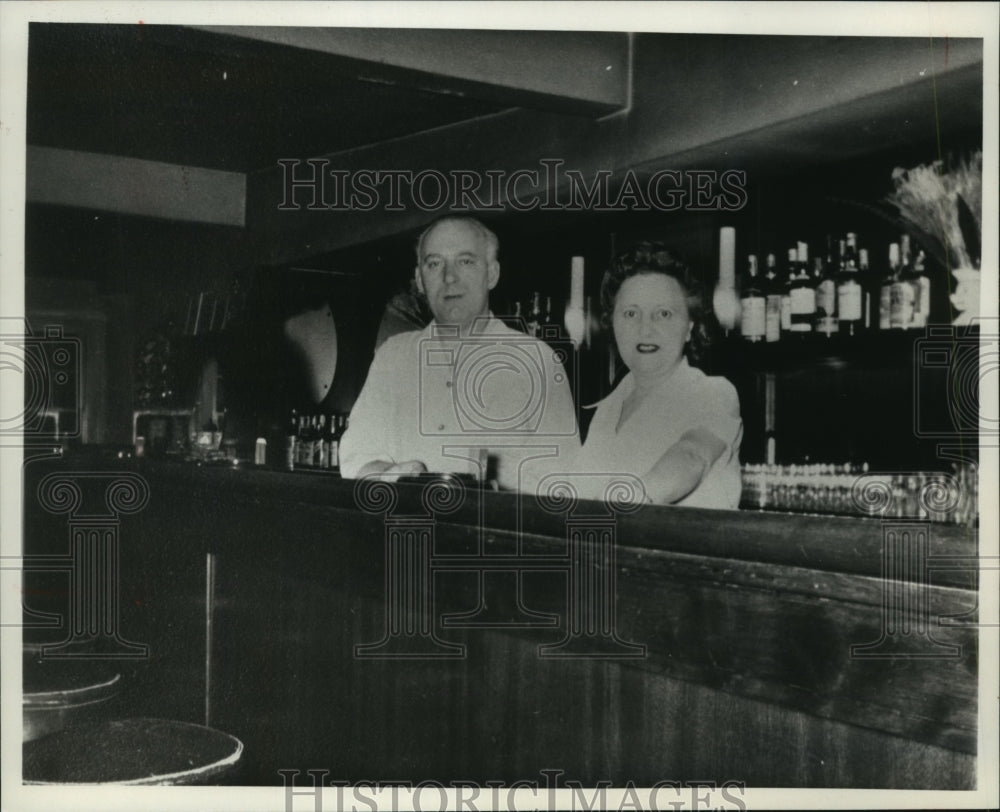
786	295
921	293
869	288
826	296
300	441
317	435
317	438
753	322
340	423
338	435
535	316
770	435
291	438
326	441
305	442
802	294
321	444
309	452
901	295
322	453
772	314
885	290
850	294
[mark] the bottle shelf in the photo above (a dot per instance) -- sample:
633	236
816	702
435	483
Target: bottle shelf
811	350
949	497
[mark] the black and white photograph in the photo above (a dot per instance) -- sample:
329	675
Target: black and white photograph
499	406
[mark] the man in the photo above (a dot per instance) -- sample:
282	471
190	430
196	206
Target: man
466	387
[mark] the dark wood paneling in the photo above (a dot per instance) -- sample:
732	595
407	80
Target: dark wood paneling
747	619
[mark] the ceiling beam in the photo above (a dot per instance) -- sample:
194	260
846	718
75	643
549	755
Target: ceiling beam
946	110
582	73
89	180
887	96
696	101
691	90
505	143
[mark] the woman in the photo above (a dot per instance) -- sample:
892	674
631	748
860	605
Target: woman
668	423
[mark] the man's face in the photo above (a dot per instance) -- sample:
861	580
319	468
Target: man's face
455	273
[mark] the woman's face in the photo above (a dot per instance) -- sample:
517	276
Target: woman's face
651	323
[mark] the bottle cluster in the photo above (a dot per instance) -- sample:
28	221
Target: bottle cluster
535	313
851	490
835	292
538	317
313	441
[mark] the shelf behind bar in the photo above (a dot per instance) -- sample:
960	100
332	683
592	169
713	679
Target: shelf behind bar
867	349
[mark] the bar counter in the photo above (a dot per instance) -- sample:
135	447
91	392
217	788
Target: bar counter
422	631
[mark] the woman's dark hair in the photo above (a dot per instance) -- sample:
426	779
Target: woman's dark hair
657	258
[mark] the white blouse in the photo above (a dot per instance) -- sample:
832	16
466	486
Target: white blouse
687	399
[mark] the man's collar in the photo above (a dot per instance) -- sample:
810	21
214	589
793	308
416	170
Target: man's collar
481	325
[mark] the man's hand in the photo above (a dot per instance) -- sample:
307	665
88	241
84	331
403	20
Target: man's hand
391	471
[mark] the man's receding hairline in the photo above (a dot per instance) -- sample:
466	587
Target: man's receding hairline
485	233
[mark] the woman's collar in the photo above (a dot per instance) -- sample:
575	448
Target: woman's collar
627	384
620	392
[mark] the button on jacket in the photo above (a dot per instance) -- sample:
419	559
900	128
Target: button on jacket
438	398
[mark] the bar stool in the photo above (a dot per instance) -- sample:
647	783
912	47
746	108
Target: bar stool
66	740
132	752
64	675
58	693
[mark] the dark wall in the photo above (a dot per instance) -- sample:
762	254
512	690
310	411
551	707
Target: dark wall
159	266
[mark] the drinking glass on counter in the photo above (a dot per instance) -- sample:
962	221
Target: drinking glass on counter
848	489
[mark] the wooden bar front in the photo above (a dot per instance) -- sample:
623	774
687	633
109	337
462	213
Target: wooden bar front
763	648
